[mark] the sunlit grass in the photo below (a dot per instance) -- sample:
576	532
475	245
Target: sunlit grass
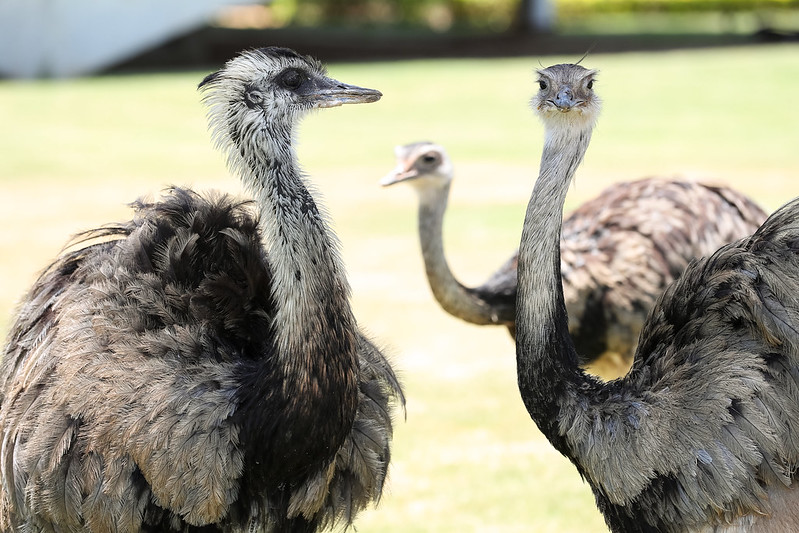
468	458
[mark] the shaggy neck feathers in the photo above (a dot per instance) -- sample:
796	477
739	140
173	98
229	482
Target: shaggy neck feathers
252	119
310	373
310	289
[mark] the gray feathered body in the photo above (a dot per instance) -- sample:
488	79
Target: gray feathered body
200	367
702	435
126	397
710	410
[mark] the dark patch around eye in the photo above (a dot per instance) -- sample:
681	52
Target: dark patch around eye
291	79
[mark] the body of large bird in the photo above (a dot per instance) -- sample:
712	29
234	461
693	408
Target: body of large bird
200	366
702	434
619	250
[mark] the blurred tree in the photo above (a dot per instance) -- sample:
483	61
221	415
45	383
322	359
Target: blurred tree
534	16
439	15
523	16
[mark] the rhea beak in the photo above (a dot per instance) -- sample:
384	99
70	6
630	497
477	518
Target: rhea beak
332	93
397	175
565	100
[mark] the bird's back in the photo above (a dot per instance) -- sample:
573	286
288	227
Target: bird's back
622	248
712	397
119	376
123	385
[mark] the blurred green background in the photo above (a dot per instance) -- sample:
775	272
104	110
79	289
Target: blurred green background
502	15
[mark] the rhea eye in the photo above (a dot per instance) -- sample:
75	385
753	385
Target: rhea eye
291	79
543	85
590	84
254	97
429	158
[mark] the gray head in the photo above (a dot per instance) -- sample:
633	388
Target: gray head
423	165
257	97
566	97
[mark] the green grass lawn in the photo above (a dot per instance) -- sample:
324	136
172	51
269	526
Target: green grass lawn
467	458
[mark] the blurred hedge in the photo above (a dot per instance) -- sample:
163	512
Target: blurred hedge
666	6
498	15
436	14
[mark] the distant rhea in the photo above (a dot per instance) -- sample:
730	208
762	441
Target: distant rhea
702	435
618	250
200	368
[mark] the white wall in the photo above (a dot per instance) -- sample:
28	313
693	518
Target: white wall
62	38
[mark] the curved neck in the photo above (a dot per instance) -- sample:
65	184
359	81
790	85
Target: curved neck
454	297
545	353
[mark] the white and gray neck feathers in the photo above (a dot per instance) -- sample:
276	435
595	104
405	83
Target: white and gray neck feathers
310	285
310	290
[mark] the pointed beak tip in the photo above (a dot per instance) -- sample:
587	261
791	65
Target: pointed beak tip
371	95
342	94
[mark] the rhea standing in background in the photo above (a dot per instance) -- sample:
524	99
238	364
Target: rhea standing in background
618	252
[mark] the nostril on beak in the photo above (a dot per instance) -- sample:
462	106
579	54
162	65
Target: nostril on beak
564	98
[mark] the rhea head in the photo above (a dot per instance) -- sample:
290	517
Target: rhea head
423	165
255	100
566	97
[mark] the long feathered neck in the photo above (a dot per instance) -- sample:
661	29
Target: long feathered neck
448	291
546	357
304	397
310	290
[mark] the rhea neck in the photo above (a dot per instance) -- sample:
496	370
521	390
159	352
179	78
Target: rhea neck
309	290
310	371
546	357
448	291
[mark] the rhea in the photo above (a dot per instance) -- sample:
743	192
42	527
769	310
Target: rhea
619	250
702	434
200	368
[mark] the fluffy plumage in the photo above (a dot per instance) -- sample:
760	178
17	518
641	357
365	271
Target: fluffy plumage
179	375
701	434
618	250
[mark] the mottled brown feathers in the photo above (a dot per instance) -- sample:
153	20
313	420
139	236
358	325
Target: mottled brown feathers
621	249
